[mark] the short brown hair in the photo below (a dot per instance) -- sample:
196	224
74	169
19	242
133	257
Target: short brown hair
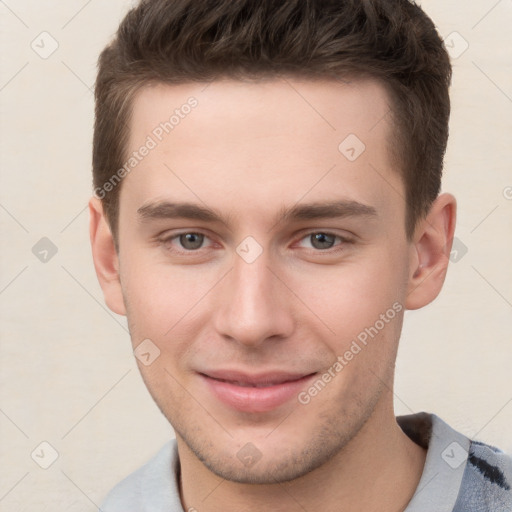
178	41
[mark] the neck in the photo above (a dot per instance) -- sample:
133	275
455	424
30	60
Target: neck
379	469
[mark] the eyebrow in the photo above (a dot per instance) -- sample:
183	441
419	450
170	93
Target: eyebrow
334	209
162	210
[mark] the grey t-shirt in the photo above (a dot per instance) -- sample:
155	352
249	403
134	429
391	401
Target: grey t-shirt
460	475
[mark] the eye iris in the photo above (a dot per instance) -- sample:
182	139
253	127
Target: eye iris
322	241
191	240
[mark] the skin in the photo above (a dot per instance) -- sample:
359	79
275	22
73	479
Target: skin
248	151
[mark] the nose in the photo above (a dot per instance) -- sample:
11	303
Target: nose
253	305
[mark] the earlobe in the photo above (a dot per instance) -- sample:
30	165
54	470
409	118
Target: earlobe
430	252
106	260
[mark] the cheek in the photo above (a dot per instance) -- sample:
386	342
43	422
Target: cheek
165	305
159	296
354	295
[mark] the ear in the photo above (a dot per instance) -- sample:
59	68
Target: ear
106	260
430	252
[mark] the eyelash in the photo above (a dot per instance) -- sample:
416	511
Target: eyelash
335	248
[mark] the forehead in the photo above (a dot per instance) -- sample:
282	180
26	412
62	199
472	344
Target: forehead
277	139
319	108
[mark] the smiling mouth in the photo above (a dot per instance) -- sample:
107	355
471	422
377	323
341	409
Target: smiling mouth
269	384
255	393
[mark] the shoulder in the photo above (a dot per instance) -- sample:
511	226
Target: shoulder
460	474
151	487
487	481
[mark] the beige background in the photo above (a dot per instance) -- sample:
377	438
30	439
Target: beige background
67	374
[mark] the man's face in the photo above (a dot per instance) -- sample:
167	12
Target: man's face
255	247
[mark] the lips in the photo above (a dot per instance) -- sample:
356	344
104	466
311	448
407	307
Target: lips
256	380
252	385
257	392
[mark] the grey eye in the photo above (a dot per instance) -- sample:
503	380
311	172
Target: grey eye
191	241
322	240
